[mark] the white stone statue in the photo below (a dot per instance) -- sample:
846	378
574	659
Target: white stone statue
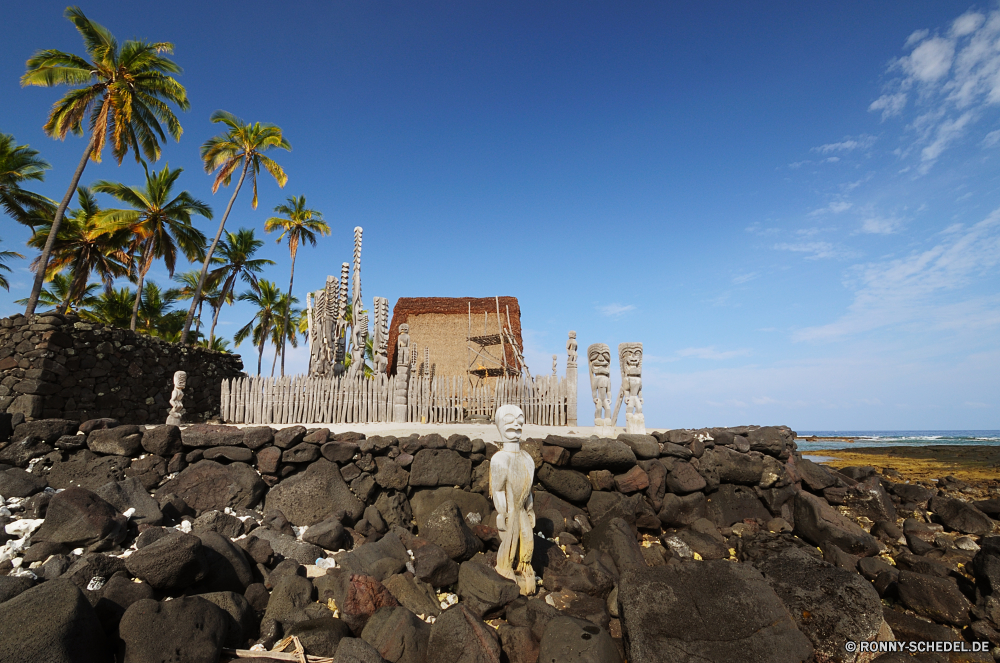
630	359
599	360
176	415
511	476
571	350
555	365
399	398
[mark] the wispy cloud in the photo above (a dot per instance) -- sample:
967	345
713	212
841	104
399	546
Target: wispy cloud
880	225
849	144
815	250
910	289
743	278
615	310
711	353
952	79
836	207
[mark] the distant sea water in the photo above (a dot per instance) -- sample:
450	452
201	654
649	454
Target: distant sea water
896	438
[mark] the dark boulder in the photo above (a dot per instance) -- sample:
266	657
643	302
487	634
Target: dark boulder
188	629
616	538
448	529
255	437
397	635
20	451
986	566
303	452
933	597
440	467
131	494
424	502
706	611
47	430
285	545
390	475
289	598
235	454
86	469
113	599
679	511
578	640
339	452
770	440
459	636
210	435
162	440
321	636
830	605
818	522
380	559
643	446
16	482
482	588
328	534
173	562
242	623
732	504
77	517
314	495
286	438
118	441
568	484
208	485
54	623
603	454
960	516
228	568
684	479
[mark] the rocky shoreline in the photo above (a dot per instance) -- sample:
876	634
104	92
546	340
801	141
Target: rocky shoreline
145	544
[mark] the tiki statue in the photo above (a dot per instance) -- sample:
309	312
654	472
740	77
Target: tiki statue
630	359
511	472
599	358
176	415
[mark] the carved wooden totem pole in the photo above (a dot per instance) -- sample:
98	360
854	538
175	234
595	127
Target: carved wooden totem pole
599	360
630	358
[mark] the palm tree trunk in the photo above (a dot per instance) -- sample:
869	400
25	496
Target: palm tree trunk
288	308
79	281
208	257
277	351
43	260
215	317
260	355
143	268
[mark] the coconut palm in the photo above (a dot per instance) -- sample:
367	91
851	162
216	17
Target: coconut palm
267	299
4	257
188	282
58	292
112	307
218	344
122	91
236	255
242	148
20	164
281	333
83	245
301	225
159	224
156	314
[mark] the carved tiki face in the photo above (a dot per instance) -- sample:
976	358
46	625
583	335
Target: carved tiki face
509	419
630	358
599	356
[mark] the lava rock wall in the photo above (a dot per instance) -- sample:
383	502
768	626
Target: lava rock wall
59	366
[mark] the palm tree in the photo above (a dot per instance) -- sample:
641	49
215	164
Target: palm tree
159	224
242	144
125	91
301	224
236	255
156	314
84	246
113	307
59	291
4	257
218	344
18	164
267	298
281	333
188	282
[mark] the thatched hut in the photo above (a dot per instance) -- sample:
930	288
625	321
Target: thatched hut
444	324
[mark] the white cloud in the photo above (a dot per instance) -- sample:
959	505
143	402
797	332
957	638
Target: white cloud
615	310
846	145
953	78
817	250
889	104
910	289
992	138
836	207
931	60
744	278
711	353
966	24
880	225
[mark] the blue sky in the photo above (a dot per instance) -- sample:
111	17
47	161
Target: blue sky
794	207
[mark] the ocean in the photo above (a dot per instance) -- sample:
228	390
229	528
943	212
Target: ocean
893	438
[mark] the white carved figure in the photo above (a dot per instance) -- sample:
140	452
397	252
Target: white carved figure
571	350
399	399
555	365
357	368
511	475
630	359
176	415
380	338
339	340
599	360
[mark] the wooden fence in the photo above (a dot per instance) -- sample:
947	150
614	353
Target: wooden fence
441	399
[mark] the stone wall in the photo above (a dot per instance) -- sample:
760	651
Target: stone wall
59	366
